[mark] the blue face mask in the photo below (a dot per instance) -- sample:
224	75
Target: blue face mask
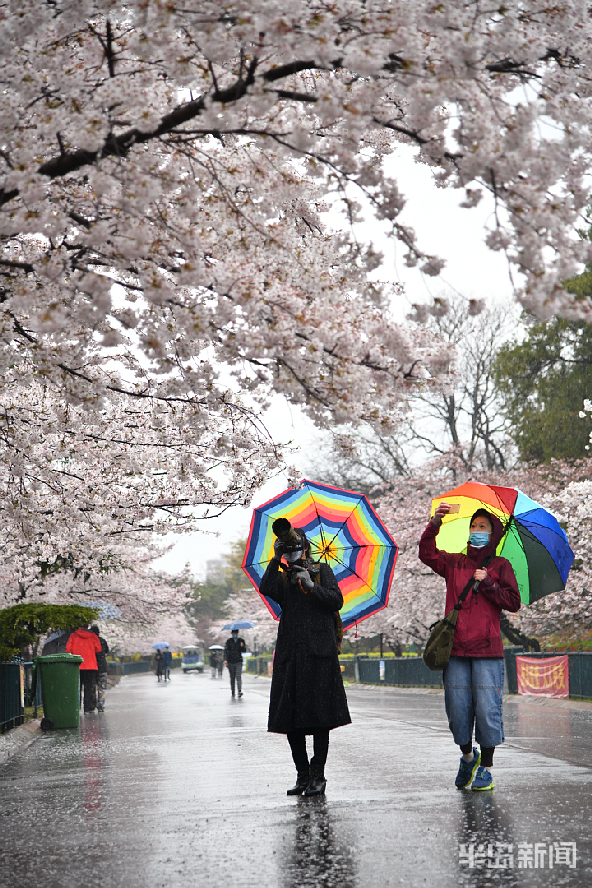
478	538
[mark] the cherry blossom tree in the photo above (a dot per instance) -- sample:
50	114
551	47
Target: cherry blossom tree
246	604
149	603
165	172
184	152
138	638
85	490
467	415
241	601
213	237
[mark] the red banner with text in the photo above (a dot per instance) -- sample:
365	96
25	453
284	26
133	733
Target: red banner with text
547	677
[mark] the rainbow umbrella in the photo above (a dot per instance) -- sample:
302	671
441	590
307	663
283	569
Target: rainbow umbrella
344	531
534	542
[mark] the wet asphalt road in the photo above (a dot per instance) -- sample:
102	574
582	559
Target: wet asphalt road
179	785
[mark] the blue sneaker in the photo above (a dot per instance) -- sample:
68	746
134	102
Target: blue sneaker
466	772
483	779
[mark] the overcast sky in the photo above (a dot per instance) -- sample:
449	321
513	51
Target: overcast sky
443	228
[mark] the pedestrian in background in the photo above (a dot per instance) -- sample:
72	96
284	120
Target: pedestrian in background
213	664
55	644
167	661
159	665
307	694
102	670
85	644
474	677
234	649
220	663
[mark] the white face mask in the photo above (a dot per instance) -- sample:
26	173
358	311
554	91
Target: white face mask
293	556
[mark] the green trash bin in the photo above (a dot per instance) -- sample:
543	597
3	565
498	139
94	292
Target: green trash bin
60	688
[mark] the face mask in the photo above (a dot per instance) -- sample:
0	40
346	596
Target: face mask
292	556
478	538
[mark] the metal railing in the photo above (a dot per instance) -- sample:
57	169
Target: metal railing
33	688
411	672
131	666
257	665
408	672
12	684
403	672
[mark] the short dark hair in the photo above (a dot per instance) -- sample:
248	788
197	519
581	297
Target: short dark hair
483	513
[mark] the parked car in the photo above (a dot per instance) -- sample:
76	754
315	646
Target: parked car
192	660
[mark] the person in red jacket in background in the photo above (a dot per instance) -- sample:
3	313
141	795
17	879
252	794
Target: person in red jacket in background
87	645
474	677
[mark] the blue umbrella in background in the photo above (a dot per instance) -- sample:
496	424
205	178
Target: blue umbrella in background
161	645
57	634
239	624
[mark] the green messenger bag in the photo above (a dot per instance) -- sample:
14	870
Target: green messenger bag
439	645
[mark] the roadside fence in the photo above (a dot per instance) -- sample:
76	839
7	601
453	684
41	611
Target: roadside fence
12	695
134	665
411	672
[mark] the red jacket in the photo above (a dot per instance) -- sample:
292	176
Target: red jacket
478	628
86	644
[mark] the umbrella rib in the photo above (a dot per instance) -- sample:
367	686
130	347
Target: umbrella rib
318	516
336	534
356	574
366	546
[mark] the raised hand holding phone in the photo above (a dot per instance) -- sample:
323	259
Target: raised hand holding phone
444	509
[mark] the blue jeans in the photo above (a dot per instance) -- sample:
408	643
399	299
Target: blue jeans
473	688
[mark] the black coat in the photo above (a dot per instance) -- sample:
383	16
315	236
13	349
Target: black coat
234	650
102	656
307	688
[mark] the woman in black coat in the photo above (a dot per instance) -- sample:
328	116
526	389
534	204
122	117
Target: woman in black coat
307	694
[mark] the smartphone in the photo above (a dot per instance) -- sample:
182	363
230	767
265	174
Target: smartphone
453	508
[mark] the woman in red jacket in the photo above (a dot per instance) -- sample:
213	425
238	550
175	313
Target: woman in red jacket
474	678
86	644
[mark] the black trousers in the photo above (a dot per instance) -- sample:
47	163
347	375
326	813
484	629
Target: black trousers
88	684
297	741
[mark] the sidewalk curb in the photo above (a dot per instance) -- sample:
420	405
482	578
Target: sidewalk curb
17	739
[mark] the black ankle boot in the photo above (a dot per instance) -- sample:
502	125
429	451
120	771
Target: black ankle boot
302	781
316	785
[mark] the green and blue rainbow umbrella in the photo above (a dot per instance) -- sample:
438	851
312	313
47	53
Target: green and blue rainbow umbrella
534	542
344	532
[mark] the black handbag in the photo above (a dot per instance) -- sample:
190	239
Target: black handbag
436	654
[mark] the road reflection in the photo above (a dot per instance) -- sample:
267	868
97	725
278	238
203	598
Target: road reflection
320	854
486	843
92	732
549	736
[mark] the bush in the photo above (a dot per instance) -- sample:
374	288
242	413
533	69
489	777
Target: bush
23	624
